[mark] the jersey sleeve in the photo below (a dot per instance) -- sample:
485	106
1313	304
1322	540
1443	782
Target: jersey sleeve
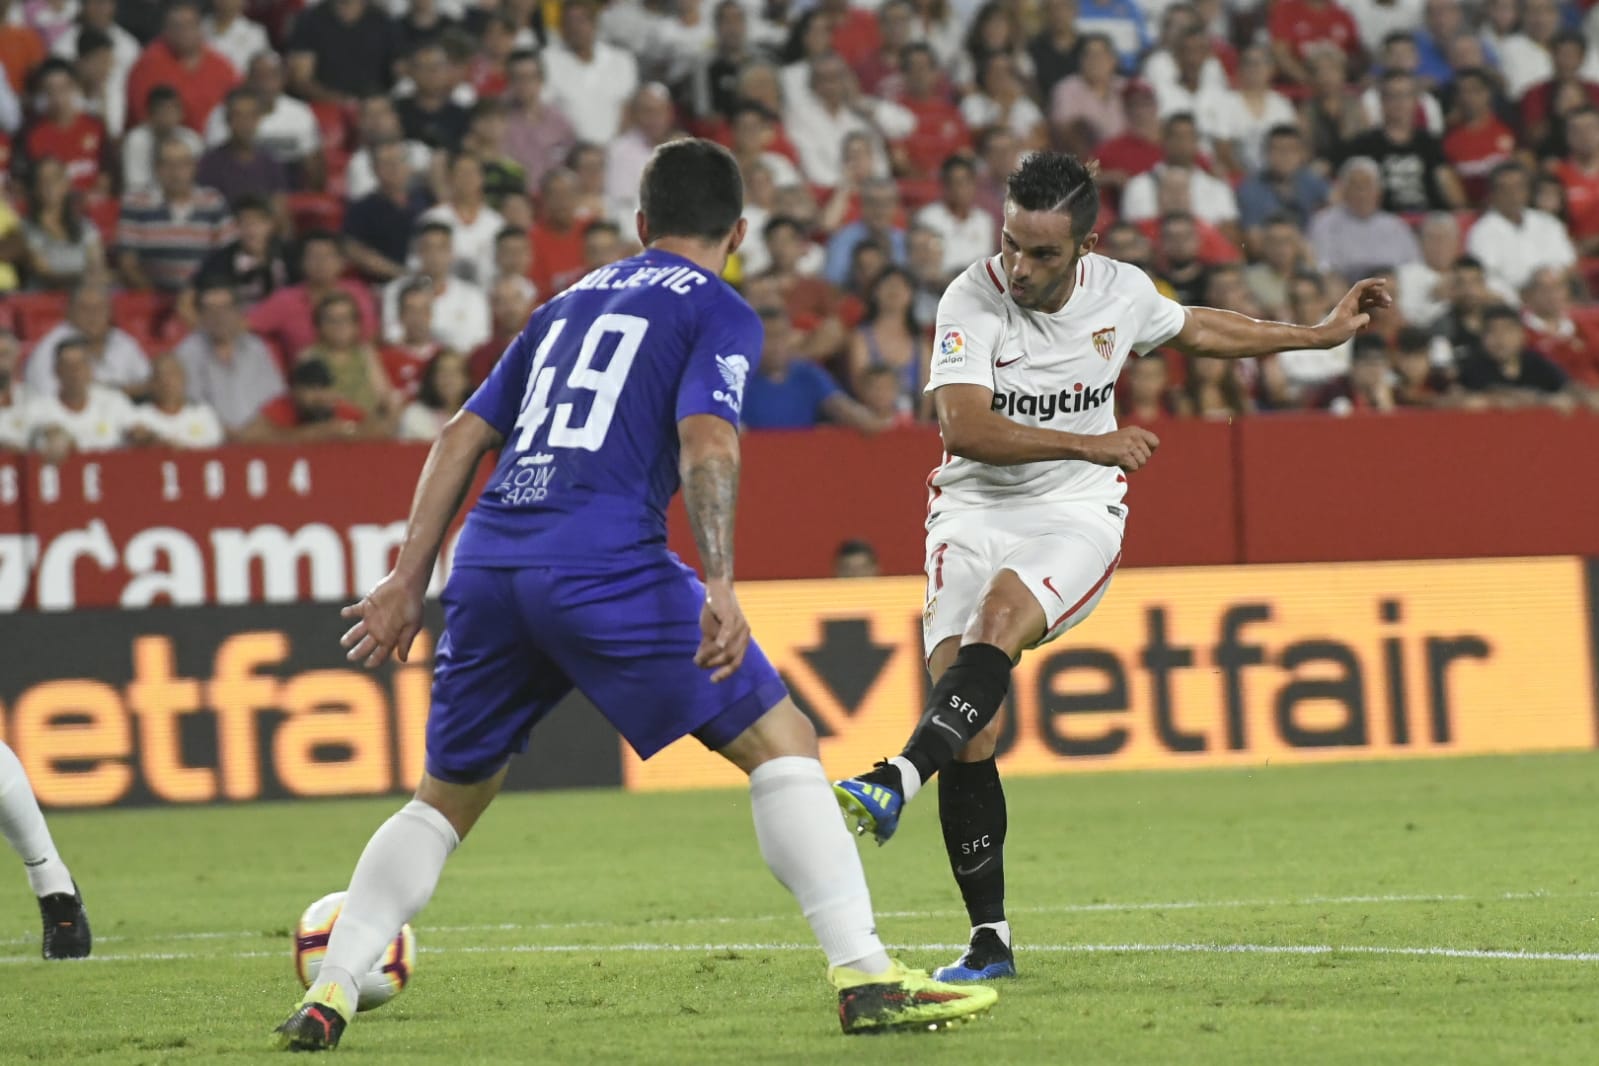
1157	318
723	352
498	401
971	324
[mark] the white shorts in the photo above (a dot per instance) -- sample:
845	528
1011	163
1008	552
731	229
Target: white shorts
1064	554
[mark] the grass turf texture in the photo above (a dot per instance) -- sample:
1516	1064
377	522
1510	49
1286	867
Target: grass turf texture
1476	854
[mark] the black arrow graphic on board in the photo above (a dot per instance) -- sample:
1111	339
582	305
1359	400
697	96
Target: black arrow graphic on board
847	660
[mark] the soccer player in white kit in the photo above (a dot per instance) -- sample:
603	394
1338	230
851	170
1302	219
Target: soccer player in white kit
1026	512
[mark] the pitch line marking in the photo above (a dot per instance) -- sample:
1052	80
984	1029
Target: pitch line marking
1478	954
1109	907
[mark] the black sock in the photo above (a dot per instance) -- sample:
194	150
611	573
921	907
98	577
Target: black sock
971	807
963	701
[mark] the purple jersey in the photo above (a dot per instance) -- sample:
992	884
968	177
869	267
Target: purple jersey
588	398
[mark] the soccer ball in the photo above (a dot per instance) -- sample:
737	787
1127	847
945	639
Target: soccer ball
388	977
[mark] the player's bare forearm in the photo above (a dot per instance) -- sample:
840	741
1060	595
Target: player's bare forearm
994	440
708	466
1217	334
446	476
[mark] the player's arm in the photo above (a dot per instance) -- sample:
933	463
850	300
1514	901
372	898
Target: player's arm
708	464
388	617
1217	334
973	430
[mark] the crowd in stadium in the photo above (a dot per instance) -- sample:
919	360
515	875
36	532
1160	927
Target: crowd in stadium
265	220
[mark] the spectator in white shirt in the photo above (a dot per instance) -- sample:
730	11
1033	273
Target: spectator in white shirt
474	225
1512	239
227	368
1161	69
967	231
1003	101
1525	57
1305	371
588	80
1192	78
288	131
100	16
1399	52
77	415
101	86
164	111
378	123
13	396
237	38
819	122
1237	122
652	123
753	129
513	254
115	358
1212	198
170	418
460	309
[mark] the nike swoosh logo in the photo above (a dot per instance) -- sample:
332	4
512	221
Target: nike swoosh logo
1008	362
963	871
945	725
1051	587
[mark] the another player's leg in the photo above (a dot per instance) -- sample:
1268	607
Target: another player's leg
966	697
796	823
393	881
66	924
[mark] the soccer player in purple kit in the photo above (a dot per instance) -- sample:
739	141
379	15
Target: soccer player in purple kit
617	392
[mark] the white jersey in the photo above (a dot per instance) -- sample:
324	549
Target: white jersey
1056	371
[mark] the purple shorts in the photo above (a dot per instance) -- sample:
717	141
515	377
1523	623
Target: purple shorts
517	641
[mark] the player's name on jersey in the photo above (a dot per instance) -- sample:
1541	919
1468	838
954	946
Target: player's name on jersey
681	280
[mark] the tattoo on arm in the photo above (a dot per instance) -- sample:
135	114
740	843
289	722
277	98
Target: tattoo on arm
710	490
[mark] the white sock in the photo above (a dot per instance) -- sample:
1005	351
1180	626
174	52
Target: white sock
910	781
22	824
1002	928
809	850
394	879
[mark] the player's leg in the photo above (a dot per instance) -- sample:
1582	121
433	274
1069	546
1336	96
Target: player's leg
978	619
66	925
489	690
628	641
1069	570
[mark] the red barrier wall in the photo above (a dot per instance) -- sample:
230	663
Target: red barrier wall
286	524
1422	486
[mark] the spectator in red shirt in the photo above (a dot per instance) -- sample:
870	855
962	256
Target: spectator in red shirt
21	49
285	319
1567	51
510	302
1568	336
404	361
813	304
1477	141
856	35
557	235
1296	26
881	73
1579	173
180	58
940	131
311	410
1137	149
65	133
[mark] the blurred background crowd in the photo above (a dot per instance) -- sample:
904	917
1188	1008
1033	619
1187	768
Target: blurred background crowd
266	220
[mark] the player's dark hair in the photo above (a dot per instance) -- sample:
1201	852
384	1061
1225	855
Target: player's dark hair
691	188
1499	313
1058	182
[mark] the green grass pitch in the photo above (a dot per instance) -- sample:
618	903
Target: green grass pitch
1437	911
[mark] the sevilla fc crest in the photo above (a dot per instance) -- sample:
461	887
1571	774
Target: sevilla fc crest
1105	342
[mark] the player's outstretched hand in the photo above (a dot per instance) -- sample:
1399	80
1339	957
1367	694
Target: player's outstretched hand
1353	312
725	634
387	620
1129	448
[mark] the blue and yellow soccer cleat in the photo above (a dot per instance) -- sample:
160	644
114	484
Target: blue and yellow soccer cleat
872	802
987	958
319	1020
902	1000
